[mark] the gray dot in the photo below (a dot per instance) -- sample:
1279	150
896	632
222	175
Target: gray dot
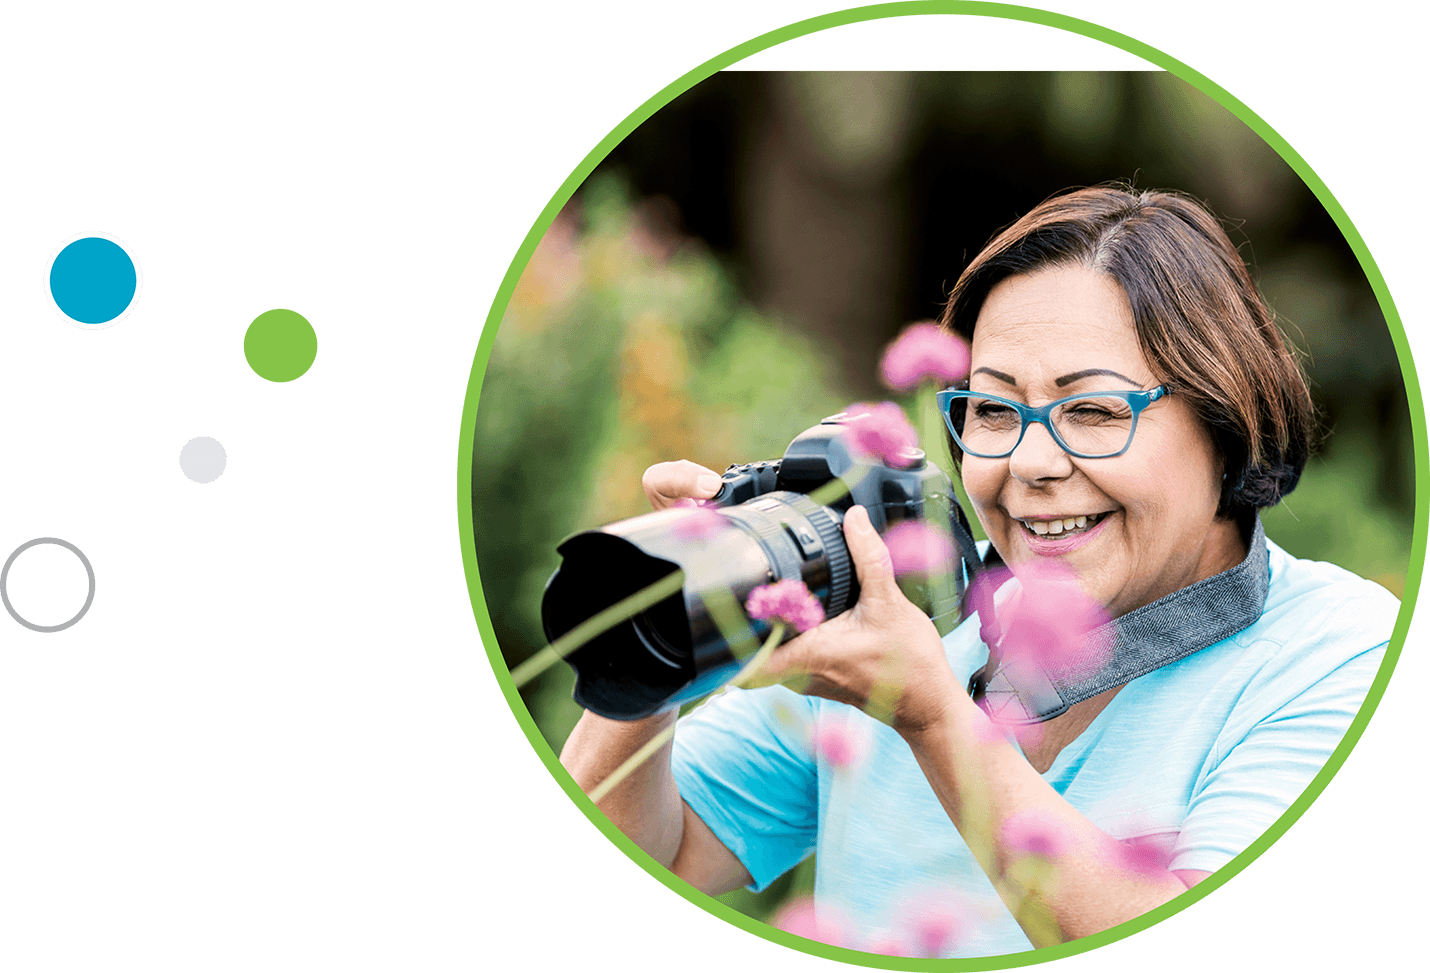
203	459
5	577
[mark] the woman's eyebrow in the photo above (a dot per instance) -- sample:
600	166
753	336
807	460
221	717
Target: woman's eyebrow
1064	380
1001	376
1086	372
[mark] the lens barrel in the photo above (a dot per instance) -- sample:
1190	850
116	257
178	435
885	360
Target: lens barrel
695	640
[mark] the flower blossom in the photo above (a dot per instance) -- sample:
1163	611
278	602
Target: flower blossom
923	351
918	548
1047	622
931	925
700	523
801	918
1031	833
787	601
1144	857
835	742
880	432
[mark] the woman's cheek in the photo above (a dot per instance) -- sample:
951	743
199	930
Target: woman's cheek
980	482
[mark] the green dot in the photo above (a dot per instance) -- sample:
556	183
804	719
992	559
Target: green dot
280	345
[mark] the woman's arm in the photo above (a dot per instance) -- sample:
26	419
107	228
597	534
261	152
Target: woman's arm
996	799
886	657
647	806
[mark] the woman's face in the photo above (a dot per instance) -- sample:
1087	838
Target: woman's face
1152	525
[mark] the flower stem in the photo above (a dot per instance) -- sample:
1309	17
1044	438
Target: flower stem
598	623
839	487
757	660
599	792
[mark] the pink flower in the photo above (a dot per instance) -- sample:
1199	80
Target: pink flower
799	917
1031	833
1028	735
699	523
788	601
933	935
554	271
1143	856
989	731
1047	622
932	925
918	548
879	432
923	351
835	742
888	946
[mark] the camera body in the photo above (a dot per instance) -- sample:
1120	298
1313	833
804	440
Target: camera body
767	528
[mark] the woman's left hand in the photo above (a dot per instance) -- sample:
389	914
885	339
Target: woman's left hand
884	655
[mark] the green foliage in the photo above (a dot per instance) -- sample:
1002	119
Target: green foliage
623	346
1336	514
796	882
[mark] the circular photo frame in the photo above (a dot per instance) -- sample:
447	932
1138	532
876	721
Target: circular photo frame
774	230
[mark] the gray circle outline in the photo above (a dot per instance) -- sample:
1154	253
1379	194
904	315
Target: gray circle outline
5	574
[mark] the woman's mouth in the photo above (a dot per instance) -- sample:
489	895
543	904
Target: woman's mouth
1061	535
1062	526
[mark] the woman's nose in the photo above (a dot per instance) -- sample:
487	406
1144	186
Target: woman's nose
1038	457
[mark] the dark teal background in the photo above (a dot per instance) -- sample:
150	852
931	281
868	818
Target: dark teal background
275	741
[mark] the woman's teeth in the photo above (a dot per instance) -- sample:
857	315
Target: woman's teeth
1063	526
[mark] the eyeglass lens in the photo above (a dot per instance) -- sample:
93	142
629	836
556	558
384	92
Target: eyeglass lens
1098	426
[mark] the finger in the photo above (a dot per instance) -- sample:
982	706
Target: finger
872	562
809	664
665	483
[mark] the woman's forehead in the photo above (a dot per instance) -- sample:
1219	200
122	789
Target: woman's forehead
1056	322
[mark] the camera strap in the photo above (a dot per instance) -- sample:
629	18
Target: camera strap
1170	628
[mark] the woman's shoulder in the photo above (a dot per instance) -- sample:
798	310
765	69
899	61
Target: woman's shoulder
1318	616
1305	585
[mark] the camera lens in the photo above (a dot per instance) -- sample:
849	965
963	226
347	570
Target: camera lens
654	643
680	649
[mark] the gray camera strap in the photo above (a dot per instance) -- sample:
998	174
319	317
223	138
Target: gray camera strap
1168	629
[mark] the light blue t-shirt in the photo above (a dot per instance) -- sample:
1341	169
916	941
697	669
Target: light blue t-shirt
1199	757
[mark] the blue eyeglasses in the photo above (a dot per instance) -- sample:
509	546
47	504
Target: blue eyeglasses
1093	425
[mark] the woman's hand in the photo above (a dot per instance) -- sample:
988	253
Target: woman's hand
667	483
883	655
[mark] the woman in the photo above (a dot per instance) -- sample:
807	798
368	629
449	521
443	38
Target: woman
952	838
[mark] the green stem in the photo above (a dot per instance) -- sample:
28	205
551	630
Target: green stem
757	660
635	760
598	623
839	487
931	427
660	739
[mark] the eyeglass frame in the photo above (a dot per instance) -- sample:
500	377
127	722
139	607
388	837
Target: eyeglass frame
1136	400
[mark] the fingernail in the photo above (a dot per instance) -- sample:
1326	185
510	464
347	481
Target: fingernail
707	482
861	521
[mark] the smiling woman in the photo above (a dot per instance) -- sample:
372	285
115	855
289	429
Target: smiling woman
1131	407
1149	511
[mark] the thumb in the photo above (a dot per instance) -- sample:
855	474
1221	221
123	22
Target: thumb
872	563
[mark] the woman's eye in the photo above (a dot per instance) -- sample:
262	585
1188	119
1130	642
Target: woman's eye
1094	412
993	412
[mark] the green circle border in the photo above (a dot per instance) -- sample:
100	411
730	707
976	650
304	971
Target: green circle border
1414	567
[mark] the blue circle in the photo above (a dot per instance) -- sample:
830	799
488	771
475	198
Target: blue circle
93	280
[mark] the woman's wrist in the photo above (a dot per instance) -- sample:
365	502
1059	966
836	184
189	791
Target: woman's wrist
937	718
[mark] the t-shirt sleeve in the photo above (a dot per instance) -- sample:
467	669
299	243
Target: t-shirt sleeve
1260	775
743	763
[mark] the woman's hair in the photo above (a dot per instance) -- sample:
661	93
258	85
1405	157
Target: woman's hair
1200	321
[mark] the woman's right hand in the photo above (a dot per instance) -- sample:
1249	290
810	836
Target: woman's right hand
666	484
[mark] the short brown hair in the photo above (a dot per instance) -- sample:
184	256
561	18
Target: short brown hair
1200	321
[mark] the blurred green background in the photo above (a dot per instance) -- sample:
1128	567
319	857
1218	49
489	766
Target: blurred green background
731	272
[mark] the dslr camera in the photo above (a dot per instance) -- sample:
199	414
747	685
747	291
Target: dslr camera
762	526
